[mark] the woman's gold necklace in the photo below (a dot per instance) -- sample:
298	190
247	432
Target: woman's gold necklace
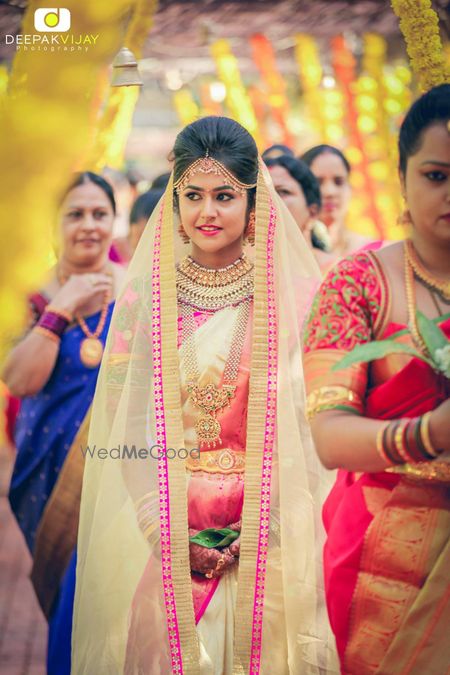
411	303
438	285
212	289
233	282
91	348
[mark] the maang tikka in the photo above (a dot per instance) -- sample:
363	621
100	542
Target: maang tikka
207	165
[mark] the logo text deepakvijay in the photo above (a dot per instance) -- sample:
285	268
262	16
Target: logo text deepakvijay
52	42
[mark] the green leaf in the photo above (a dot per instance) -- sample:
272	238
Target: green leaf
375	350
350	280
212	538
432	335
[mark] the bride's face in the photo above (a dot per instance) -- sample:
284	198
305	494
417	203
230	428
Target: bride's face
213	214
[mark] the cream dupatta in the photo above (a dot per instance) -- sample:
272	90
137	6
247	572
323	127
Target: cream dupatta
138	402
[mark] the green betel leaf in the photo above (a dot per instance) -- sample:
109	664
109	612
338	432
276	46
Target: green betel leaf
212	538
432	335
375	350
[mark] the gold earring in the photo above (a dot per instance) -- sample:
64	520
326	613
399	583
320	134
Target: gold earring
404	219
250	229
184	238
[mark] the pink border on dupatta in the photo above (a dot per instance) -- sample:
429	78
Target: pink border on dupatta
163	479
269	433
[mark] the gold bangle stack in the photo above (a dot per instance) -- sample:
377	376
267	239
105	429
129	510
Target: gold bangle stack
425	435
147	512
380	445
406	441
399	443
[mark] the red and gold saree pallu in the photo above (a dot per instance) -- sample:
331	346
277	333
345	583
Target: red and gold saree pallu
387	555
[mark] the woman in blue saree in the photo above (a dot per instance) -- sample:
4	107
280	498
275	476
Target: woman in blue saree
54	371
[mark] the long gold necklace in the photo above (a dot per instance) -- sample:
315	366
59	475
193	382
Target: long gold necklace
411	303
232	282
91	347
441	287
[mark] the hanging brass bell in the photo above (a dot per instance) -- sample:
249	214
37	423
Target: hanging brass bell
125	70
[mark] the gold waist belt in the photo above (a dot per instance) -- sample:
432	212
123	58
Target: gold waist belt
223	461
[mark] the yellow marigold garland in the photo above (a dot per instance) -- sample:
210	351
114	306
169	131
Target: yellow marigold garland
237	100
186	106
419	24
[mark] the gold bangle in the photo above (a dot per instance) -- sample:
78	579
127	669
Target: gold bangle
380	446
145	499
399	441
150	529
425	435
60	312
48	334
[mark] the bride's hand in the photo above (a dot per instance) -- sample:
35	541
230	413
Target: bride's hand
235	547
209	561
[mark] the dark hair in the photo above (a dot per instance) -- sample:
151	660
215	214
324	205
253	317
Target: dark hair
431	108
310	155
88	177
307	181
302	174
144	205
134	176
225	140
160	182
277	150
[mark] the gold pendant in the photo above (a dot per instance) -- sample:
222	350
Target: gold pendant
91	352
208	430
210	399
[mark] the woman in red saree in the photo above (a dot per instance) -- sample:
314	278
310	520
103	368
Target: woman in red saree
387	554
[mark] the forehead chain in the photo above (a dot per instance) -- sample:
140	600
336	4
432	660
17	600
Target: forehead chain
209	165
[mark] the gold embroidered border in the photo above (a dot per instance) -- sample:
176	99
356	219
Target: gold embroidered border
181	577
255	442
401	545
425	472
319	373
56	536
224	461
385	300
327	398
422	646
326	388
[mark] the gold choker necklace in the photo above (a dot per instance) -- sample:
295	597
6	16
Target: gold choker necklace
213	289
